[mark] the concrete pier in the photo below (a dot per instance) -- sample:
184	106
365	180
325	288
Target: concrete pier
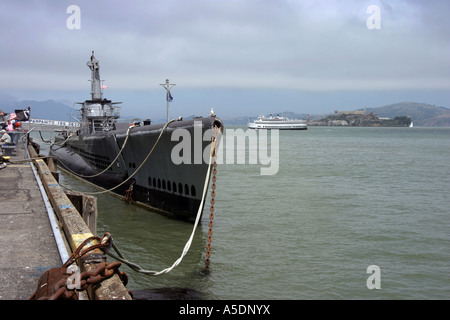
27	243
40	228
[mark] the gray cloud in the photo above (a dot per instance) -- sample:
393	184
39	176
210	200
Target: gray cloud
305	45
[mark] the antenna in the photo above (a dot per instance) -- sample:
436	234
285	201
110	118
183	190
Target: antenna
169	97
96	92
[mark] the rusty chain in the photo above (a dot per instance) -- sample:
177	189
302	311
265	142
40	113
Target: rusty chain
211	218
65	288
69	281
129	194
216	138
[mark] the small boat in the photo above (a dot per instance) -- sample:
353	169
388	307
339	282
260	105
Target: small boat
278	122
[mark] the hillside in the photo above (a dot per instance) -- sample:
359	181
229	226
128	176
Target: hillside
50	109
421	114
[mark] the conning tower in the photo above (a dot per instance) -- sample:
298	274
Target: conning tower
97	114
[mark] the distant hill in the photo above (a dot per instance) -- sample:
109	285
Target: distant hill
422	114
50	109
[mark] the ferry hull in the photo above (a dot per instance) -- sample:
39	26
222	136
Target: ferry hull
279	123
279	127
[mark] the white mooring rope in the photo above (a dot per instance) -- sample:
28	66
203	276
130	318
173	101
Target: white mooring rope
137	268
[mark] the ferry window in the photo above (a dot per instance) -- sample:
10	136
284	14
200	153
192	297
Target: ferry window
193	192
149	181
159	183
174	187
164	184
169	185
154	183
186	189
180	188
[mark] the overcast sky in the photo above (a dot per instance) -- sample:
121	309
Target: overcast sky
242	57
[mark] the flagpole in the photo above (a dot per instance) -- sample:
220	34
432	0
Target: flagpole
169	98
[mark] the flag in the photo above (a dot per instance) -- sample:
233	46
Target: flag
23	115
169	96
104	87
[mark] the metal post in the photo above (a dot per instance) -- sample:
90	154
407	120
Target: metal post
169	98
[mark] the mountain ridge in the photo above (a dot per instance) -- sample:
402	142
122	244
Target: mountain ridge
48	109
422	114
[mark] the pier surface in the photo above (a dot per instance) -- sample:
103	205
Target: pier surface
27	244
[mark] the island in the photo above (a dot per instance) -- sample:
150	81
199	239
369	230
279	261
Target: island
360	118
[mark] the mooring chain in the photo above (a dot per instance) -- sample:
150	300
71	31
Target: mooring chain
211	217
129	194
216	139
60	283
64	288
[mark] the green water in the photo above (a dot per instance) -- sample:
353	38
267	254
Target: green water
343	199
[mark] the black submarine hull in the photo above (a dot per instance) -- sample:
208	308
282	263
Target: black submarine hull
157	167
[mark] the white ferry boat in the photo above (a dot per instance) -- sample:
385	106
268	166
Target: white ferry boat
278	122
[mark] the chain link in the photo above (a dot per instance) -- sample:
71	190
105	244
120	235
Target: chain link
67	282
211	218
216	138
65	288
